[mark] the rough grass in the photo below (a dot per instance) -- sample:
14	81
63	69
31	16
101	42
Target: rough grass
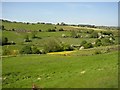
46	71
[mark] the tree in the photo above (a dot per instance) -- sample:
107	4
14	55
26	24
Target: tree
83	42
26	39
51	30
53	45
74	34
35	50
88	45
106	41
4	40
2	27
61	29
57	24
62	23
34	34
94	35
40	30
26	50
98	42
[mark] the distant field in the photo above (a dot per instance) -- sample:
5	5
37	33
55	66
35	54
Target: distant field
99	71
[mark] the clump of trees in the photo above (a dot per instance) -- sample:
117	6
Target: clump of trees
55	45
107	41
61	29
28	49
86	45
51	30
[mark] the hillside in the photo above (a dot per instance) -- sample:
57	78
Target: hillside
58	56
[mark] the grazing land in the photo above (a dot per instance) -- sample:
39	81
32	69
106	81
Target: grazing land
58	56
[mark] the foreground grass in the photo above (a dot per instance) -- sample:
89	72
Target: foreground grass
54	71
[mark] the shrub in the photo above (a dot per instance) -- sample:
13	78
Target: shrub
2	27
67	47
94	35
74	34
88	45
35	50
83	42
61	29
42	51
6	52
107	33
106	41
13	29
26	50
40	30
4	40
98	52
26	39
34	34
90	31
51	30
52	45
98	42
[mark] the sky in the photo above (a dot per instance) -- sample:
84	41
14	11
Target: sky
97	13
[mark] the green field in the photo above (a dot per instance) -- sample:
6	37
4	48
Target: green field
92	67
46	71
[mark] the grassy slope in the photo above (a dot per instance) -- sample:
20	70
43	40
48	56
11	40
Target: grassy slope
44	27
61	71
9	25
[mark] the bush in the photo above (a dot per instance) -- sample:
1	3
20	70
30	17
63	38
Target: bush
34	34
42	51
6	52
83	42
13	29
26	50
35	50
51	30
4	40
98	42
54	45
40	30
106	41
26	39
61	29
67	47
98	52
74	34
88	45
107	33
2	27
90	31
94	35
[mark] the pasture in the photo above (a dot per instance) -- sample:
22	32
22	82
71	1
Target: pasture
51	71
44	55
